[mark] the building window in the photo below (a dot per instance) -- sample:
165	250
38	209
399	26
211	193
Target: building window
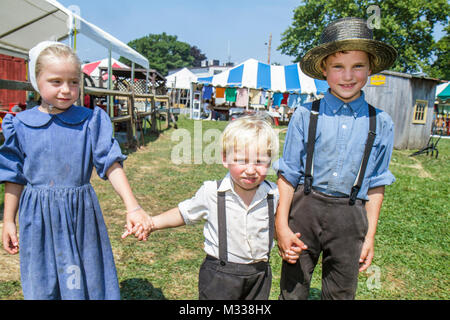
420	111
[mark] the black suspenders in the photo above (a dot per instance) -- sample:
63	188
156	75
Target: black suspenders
222	223
314	115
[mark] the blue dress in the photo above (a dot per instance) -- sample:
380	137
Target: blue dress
65	252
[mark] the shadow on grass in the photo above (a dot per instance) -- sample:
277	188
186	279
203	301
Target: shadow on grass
139	289
145	139
314	294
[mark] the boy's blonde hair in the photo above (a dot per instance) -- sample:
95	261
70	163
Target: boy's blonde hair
248	131
56	51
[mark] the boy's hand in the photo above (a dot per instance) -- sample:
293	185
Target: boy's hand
367	253
289	245
139	223
10	242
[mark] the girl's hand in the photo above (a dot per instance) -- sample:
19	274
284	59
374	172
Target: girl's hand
10	242
139	223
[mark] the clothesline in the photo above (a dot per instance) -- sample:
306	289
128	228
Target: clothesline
242	97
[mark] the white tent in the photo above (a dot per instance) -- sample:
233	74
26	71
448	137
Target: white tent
254	74
181	79
24	23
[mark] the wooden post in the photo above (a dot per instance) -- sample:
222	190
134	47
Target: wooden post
82	91
154	123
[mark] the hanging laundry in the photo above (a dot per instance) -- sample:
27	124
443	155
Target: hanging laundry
242	97
294	101
277	97
285	98
264	96
220	92
255	96
207	92
230	94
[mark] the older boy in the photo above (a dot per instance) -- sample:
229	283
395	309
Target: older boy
239	214
335	166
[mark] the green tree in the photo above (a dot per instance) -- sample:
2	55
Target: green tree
440	68
405	24
198	56
165	52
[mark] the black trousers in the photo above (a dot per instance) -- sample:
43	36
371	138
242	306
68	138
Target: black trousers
234	281
329	225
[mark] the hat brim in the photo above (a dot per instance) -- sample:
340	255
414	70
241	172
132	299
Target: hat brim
384	55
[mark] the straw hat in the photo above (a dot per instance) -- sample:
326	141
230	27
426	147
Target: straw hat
347	34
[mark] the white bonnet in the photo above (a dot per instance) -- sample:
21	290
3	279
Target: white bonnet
33	56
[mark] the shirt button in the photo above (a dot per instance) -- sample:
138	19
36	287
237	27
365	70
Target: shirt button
335	174
344	126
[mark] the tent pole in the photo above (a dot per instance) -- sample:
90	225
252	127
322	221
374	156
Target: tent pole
191	99
133	123
146	100
109	101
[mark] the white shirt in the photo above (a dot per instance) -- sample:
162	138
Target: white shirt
247	227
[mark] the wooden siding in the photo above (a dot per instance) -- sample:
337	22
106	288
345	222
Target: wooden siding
12	68
397	97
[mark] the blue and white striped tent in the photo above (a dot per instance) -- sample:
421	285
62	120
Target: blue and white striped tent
254	74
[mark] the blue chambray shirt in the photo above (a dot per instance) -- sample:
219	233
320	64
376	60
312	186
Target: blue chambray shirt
341	136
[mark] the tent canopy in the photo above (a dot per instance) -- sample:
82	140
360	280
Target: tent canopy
25	23
254	74
181	79
443	91
93	68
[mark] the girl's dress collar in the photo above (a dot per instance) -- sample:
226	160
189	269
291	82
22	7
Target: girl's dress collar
72	116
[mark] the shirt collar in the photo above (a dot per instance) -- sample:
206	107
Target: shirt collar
36	118
335	104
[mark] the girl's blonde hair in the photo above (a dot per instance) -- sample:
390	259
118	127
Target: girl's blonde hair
248	131
56	51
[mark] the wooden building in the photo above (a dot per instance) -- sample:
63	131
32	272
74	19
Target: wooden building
409	100
12	68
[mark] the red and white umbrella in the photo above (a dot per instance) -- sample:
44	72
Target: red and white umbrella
93	68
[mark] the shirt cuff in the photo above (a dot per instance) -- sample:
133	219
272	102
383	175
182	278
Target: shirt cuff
183	207
384	179
293	177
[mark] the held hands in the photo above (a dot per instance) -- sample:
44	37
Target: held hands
289	245
10	242
139	223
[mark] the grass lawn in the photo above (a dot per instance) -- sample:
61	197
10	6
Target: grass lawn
412	243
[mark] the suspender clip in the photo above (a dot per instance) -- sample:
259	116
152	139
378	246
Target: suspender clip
353	194
307	184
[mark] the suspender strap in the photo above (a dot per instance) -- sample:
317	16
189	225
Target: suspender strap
314	115
222	224
369	144
270	202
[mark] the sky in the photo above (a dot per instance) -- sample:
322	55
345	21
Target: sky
224	30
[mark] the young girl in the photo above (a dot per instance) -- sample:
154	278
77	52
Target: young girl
65	251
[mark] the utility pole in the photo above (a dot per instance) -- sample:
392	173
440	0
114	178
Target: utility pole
270	43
